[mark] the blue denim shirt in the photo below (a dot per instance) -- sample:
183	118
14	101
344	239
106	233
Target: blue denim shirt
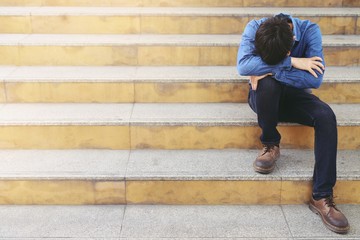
308	43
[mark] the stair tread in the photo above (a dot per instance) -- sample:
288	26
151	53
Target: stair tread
148	74
63	164
197	114
65	114
171	165
179	11
172	222
149	40
231	165
219	113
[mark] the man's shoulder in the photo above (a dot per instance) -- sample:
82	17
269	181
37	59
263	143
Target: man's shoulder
305	28
304	24
252	26
255	23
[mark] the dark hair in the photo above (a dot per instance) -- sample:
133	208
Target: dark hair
274	39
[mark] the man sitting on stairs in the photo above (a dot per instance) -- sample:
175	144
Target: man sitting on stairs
283	57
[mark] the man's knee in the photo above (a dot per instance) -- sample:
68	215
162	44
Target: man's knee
268	85
325	116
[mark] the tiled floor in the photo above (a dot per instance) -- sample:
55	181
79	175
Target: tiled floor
169	222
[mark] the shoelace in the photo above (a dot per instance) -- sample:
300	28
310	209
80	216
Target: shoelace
330	202
267	148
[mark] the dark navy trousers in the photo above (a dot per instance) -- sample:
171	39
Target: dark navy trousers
275	102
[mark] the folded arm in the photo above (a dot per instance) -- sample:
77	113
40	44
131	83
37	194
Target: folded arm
250	64
304	72
308	71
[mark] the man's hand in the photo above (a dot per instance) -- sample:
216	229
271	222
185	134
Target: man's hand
308	64
255	79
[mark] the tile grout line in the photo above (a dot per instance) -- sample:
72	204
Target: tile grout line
281	182
5	92
126	171
281	204
140	23
287	223
5	83
122	220
130	152
357	28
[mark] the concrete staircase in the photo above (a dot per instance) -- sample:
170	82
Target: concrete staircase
139	102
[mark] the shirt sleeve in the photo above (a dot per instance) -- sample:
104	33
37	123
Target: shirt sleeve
301	78
250	64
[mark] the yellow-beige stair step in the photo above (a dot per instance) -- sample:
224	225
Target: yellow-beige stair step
183	3
63	177
122	20
67	84
65	126
225	125
165	177
227	177
148	50
157	126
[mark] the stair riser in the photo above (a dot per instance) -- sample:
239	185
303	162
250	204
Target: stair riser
233	192
209	192
221	137
157	24
161	137
147	55
184	3
64	137
69	92
154	92
74	192
339	92
122	92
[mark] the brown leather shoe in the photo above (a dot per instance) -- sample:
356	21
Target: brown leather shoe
330	215
265	162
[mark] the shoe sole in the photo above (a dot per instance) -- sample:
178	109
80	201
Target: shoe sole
263	170
328	225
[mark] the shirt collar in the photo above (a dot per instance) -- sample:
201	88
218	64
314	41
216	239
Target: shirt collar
296	30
